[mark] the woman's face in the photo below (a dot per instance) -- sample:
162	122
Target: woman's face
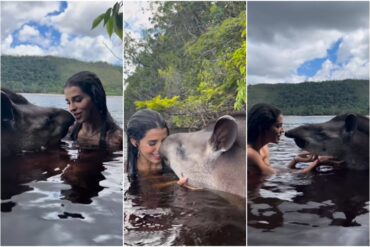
80	104
276	130
149	145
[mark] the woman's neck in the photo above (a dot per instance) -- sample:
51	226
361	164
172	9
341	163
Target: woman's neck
92	127
145	166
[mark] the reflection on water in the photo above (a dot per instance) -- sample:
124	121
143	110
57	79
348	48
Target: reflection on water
66	196
329	208
172	215
55	195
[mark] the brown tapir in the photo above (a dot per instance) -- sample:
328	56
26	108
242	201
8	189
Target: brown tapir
212	158
345	137
25	126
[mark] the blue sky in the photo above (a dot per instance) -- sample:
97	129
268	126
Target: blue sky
58	29
292	42
310	67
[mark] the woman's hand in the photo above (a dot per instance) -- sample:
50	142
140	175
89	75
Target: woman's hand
182	181
305	157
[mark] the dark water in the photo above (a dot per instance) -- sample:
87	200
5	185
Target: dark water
329	208
172	215
65	196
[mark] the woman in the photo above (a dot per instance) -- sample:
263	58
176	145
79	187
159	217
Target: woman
146	130
94	126
265	125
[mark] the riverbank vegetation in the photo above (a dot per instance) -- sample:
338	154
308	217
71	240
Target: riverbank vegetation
191	66
32	74
314	98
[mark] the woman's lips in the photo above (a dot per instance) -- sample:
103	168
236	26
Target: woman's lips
77	116
156	157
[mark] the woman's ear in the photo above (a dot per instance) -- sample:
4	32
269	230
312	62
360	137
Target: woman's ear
134	142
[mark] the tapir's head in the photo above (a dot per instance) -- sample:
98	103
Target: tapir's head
25	126
196	152
341	136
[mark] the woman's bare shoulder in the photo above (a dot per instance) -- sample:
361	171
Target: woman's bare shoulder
115	138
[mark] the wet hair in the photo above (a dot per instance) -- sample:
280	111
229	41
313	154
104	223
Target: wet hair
90	84
137	127
260	118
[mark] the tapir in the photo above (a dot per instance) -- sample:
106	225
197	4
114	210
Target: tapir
212	158
345	137
27	127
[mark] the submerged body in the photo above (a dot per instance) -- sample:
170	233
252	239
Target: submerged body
212	158
346	137
27	127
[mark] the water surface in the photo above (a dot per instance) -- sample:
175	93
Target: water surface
328	208
64	196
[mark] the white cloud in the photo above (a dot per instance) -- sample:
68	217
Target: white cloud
27	32
20	21
26	50
15	14
88	48
78	18
284	35
278	62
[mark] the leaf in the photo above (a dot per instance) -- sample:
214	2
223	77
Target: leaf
118	25
110	27
97	21
107	16
116	8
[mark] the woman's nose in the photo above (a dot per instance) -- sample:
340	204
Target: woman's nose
157	148
72	107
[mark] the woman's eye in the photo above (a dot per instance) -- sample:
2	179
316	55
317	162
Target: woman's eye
78	99
152	144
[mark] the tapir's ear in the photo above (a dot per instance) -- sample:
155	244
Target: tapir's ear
7	112
224	133
351	123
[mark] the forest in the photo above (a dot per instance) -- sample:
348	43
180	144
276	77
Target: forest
314	98
191	66
32	74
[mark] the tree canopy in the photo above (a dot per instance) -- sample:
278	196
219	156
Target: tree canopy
33	74
192	64
314	98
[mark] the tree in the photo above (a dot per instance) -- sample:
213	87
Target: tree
112	20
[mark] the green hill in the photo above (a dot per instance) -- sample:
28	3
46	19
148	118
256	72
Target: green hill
314	98
31	74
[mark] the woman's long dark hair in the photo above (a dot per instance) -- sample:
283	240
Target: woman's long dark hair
91	85
260	118
137	127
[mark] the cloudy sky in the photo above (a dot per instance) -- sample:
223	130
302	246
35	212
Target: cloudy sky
293	42
59	29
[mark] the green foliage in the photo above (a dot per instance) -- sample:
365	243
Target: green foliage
31	74
196	51
113	20
158	104
314	98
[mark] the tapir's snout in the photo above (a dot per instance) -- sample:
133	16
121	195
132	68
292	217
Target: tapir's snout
300	142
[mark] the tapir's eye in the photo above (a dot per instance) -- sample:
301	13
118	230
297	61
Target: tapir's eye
48	121
180	151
